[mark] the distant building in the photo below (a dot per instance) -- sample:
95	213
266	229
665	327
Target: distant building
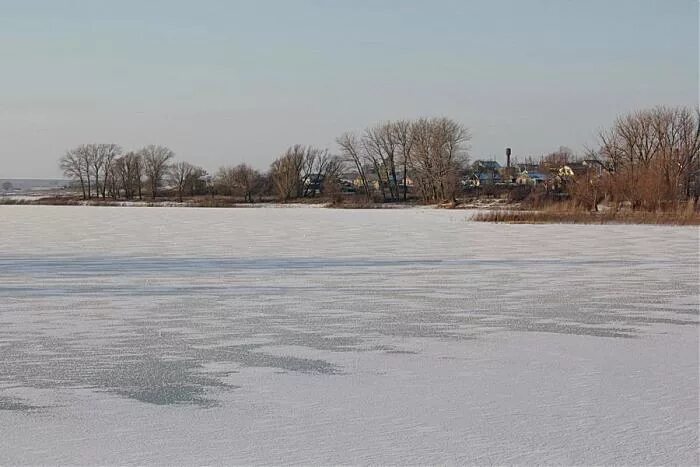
484	172
315	183
531	178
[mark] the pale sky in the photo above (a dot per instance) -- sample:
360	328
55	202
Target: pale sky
223	82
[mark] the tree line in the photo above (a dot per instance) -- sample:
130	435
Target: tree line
648	158
431	152
103	170
651	157
382	159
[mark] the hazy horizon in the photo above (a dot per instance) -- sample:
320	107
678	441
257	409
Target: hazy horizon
227	82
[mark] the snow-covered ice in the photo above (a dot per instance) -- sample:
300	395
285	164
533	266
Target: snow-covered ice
318	336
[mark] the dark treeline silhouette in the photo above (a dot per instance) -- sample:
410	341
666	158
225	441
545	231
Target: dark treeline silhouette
648	160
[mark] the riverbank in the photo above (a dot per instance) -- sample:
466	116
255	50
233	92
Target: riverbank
229	202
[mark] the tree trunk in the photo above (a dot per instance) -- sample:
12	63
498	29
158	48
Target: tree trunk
405	187
82	187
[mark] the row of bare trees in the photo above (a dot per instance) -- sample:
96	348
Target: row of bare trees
103	170
431	152
649	159
384	160
305	171
241	181
86	163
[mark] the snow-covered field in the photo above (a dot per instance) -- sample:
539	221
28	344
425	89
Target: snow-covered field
318	336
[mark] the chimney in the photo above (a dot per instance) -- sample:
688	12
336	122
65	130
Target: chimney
508	157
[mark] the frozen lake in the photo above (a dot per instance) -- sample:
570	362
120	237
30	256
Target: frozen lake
199	336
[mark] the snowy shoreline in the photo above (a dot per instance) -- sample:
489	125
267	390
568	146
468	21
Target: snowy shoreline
34	200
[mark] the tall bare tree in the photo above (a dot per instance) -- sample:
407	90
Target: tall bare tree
320	170
86	154
403	134
330	170
302	170
73	166
241	180
287	173
654	156
380	148
96	162
155	164
439	153
180	174
138	170
247	181
129	169
121	175
107	153
351	150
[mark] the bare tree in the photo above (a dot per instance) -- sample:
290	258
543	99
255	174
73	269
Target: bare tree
653	156
303	171
380	149
403	134
351	150
330	171
180	174
241	180
96	162
86	154
73	166
439	153
247	180
224	181
111	180
433	150
138	170
94	159
128	170
287	173
320	171
155	164
121	176
107	153
557	159
678	132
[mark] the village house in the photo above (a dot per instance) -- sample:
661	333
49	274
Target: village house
530	178
484	172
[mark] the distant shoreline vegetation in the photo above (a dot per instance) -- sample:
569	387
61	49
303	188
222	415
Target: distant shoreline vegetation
646	162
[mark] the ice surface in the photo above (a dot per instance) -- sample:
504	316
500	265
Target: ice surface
200	336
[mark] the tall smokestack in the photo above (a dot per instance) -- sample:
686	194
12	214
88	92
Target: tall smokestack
508	157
